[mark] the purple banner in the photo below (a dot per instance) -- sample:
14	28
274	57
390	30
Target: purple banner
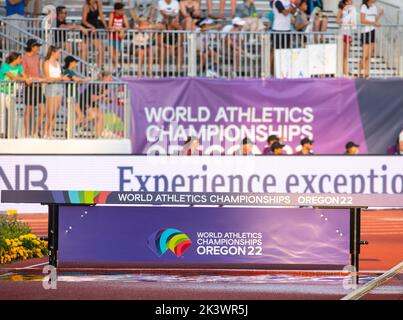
223	112
183	236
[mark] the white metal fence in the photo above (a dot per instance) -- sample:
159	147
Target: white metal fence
60	110
225	55
236	54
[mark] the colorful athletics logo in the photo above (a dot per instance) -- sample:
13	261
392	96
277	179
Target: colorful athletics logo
175	240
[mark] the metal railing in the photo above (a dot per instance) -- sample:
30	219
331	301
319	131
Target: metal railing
64	110
378	54
14	38
229	55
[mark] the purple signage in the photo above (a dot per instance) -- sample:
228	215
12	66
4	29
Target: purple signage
223	112
197	236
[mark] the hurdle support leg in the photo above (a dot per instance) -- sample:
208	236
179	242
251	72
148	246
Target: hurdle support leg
53	233
355	239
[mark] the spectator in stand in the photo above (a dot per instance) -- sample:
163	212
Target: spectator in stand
143	10
301	18
94	19
247	11
277	148
168	12
54	91
397	148
207	47
94	97
191	147
234	42
313	4
222	8
11	70
246	148
270	140
15	12
283	10
347	19
34	98
190	14
145	44
60	36
173	50
15	9
33	8
119	24
72	92
370	17
352	148
306	145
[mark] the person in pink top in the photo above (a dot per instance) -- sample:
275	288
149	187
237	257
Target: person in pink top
34	98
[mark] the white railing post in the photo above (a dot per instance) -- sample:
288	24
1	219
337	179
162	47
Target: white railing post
340	53
71	95
192	59
127	113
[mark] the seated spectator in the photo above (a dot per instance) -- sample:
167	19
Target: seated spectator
277	148
60	36
172	50
168	12
352	148
10	70
270	140
94	97
119	24
191	147
247	11
34	98
306	147
143	10
313	4
321	20
145	44
34	8
301	18
207	47
234	42
190	14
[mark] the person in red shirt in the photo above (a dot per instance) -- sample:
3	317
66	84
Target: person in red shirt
119	24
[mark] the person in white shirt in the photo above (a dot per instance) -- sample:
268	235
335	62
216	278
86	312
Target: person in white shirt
347	19
283	11
168	12
370	17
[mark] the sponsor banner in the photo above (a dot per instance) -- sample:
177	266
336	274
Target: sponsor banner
222	112
255	174
182	236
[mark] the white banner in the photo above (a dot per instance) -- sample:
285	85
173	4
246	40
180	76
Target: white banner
286	174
